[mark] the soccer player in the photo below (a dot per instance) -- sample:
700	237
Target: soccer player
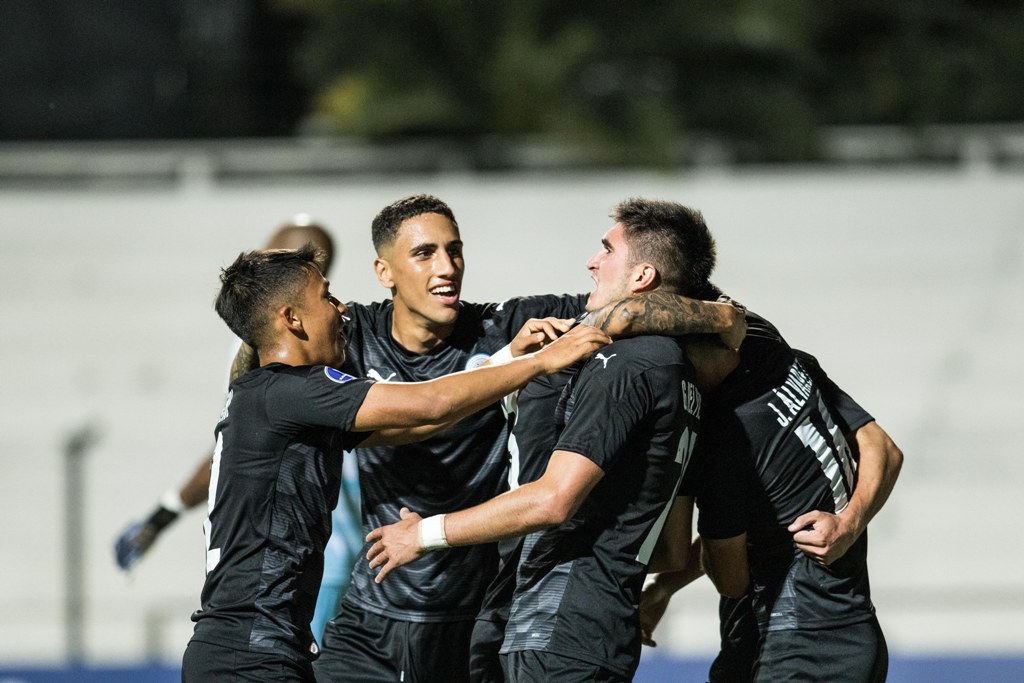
626	424
417	626
277	460
346	538
821	535
137	538
783	511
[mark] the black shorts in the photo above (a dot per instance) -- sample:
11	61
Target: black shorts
846	654
484	663
489	630
362	646
532	666
204	662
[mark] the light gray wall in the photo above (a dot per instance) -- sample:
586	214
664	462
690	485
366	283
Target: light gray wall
906	284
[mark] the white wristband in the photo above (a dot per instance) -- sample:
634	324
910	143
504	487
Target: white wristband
172	501
503	355
431	533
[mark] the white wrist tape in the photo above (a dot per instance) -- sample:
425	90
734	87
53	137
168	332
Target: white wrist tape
431	533
172	501
503	355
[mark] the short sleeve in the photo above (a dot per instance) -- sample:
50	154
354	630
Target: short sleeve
323	397
849	415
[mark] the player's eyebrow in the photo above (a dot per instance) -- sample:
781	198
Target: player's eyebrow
421	246
433	246
607	245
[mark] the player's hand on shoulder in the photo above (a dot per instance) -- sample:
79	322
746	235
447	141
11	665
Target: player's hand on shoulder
578	343
537	333
737	332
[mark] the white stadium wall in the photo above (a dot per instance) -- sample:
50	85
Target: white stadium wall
907	284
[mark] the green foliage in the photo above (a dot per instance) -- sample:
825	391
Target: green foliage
635	82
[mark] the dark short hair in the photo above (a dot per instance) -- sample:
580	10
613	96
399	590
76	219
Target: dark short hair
671	237
257	283
386	223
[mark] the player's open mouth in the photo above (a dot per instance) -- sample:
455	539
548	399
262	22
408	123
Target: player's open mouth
448	294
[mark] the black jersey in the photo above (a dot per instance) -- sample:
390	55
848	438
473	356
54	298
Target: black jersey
274	481
535	429
773	447
465	465
634	411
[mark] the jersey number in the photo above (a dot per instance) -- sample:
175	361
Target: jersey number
212	554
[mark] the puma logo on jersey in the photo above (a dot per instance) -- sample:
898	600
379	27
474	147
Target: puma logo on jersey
604	359
372	373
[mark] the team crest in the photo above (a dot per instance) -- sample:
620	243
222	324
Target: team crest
337	375
476	360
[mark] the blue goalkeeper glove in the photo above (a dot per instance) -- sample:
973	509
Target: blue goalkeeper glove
135	540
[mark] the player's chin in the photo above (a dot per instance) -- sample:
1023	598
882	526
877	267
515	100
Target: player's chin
447	313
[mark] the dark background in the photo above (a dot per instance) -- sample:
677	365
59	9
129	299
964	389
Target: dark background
633	83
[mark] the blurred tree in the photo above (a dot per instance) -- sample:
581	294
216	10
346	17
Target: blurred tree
942	61
635	82
646	82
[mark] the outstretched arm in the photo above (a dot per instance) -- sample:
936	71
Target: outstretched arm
452	397
534	335
826	537
541	504
673	315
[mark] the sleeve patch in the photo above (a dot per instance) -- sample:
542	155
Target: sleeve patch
337	375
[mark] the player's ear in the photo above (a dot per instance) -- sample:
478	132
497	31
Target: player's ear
290	317
383	270
645	277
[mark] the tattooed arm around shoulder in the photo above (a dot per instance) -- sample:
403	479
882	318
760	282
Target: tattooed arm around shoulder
673	315
245	360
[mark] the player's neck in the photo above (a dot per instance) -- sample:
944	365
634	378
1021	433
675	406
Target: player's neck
416	333
291	352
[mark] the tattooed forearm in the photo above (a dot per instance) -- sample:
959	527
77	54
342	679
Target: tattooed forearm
666	313
245	360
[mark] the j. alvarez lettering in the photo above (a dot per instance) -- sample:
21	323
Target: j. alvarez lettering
791	397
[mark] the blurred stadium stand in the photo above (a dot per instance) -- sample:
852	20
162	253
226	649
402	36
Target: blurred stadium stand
899	263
